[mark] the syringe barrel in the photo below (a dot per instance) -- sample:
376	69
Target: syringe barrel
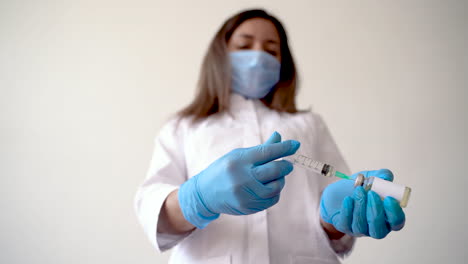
308	163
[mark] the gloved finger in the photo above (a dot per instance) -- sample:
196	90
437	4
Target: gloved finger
274	138
273	188
262	154
343	221
272	201
378	227
262	204
359	224
272	170
394	212
385	174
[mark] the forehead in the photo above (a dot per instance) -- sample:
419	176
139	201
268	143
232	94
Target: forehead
259	28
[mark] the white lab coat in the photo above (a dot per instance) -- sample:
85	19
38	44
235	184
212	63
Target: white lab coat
288	232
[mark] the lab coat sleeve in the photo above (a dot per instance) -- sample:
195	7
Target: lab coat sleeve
330	154
166	173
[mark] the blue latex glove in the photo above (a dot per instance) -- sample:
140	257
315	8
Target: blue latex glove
354	212
244	181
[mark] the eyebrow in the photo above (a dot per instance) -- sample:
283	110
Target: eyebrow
248	36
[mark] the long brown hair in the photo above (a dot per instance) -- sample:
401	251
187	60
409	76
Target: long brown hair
214	84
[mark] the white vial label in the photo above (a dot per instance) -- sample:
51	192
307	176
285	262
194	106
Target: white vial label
386	188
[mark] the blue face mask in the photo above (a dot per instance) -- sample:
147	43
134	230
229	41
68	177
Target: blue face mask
254	73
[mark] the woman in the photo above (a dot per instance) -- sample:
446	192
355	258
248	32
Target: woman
213	189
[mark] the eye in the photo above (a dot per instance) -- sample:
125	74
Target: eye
272	52
241	47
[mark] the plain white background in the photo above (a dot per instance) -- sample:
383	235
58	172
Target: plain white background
86	85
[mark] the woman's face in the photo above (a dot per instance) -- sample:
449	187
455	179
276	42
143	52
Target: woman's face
256	34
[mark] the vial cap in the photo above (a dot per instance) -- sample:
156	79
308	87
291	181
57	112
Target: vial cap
359	180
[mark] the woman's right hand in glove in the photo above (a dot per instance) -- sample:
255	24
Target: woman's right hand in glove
244	181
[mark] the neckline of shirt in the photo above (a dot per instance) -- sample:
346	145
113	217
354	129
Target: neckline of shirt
239	103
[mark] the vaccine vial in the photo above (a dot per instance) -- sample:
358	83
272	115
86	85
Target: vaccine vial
384	188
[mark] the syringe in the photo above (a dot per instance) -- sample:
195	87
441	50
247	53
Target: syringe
316	166
381	187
